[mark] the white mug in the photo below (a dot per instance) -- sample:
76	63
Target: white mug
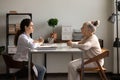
50	40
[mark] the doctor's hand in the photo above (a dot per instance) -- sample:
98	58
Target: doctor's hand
41	40
69	43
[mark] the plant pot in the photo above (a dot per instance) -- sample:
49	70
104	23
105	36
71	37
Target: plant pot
53	37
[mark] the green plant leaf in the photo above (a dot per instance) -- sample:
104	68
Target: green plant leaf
53	22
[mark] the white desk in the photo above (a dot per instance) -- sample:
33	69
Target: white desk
52	48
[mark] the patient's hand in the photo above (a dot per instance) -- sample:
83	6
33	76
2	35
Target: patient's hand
69	43
79	42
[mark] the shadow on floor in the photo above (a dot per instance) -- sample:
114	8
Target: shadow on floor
58	76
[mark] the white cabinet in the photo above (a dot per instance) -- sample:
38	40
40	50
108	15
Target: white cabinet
58	62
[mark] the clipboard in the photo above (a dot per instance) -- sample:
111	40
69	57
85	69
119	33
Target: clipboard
46	47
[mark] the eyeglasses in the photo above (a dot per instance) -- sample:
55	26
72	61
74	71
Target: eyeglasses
31	25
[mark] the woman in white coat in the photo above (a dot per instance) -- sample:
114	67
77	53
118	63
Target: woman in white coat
23	41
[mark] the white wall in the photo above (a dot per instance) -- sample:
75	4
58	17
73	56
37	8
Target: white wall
68	12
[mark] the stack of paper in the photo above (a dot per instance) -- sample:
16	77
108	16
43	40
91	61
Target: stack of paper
46	47
67	33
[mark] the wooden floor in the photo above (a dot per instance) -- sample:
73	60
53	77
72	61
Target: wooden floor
90	76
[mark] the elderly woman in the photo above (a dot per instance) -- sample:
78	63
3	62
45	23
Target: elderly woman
89	44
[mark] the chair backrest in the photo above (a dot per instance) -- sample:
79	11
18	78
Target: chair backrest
101	43
105	53
10	63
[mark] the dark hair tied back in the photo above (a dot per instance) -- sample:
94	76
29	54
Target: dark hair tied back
24	23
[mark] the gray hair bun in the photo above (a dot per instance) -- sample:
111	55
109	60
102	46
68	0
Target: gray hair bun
96	23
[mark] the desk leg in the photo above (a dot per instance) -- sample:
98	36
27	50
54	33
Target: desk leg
29	65
72	57
45	61
45	64
82	68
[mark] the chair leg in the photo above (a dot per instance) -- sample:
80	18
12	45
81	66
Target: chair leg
102	72
14	78
33	77
102	75
81	74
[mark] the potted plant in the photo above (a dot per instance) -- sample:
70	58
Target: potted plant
52	22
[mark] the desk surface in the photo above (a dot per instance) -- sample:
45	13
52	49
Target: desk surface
56	47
